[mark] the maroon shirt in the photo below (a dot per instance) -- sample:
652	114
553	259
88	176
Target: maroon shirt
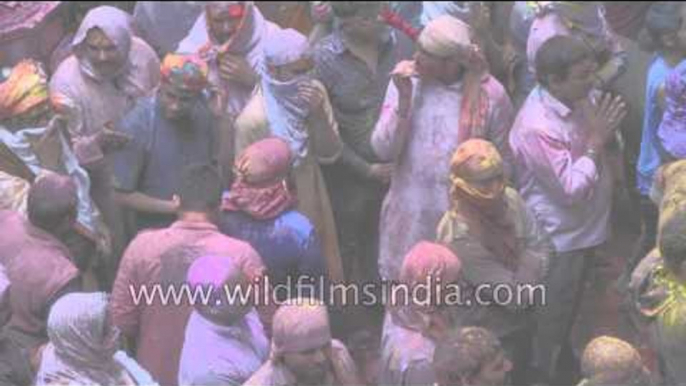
162	258
39	268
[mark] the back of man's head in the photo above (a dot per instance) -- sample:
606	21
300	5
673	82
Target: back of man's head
672	242
52	203
462	355
200	189
556	57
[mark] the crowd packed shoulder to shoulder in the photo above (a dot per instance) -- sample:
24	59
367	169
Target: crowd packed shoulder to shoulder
219	145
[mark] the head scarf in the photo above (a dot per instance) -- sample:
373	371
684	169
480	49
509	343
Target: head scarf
300	325
82	343
446	37
611	361
116	25
486	212
26	88
185	71
212	272
426	263
261	188
286	111
246	42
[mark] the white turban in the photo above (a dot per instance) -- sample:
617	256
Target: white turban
284	46
300	325
445	36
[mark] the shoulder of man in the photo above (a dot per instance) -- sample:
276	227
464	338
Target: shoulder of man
139	120
326	51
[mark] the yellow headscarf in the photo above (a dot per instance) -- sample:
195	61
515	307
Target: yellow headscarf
476	160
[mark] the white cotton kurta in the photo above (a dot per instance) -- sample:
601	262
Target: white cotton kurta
419	192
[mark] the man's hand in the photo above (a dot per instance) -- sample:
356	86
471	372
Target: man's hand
404	86
111	140
604	118
217	101
381	172
237	69
312	95
402	79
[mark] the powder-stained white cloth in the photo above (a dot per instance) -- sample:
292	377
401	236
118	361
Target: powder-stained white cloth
222	355
286	111
247	43
83	348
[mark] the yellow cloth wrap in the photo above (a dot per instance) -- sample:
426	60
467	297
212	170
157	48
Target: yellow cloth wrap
672	311
26	88
473	161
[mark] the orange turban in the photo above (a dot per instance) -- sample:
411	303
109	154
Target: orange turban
26	88
187	71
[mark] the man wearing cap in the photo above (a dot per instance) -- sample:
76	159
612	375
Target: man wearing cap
169	130
303	352
436	102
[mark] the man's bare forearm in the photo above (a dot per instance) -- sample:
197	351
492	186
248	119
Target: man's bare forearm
144	203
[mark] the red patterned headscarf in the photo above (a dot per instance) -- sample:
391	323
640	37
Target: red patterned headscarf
261	188
433	265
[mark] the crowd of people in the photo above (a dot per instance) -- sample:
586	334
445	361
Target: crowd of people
190	149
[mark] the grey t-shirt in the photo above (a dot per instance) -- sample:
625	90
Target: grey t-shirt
152	162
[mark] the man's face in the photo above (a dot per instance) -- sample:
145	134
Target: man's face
445	70
293	70
223	21
364	26
102	53
177	103
310	367
579	81
494	372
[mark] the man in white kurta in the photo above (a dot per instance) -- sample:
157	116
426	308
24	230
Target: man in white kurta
425	117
